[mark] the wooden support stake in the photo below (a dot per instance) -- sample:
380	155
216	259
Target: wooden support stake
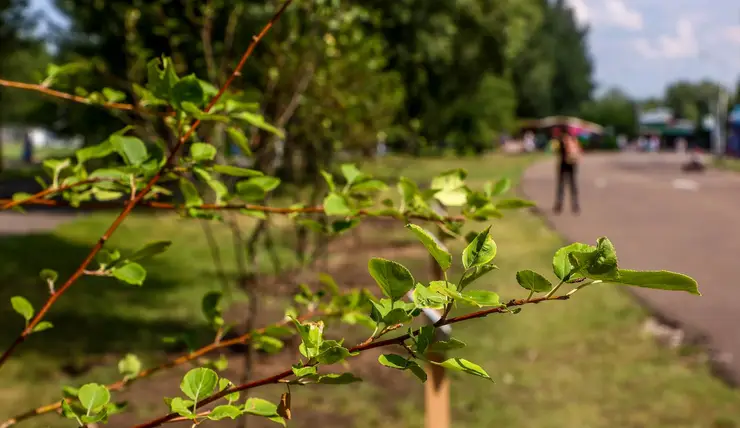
437	386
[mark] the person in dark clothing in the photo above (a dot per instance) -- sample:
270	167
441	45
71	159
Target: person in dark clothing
568	152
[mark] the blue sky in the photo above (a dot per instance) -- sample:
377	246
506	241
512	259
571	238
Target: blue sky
642	45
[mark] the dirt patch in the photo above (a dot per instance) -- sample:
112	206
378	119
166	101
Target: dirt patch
348	265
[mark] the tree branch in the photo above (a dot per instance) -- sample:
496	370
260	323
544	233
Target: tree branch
359	348
130	206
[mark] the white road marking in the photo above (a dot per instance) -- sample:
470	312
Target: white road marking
685	184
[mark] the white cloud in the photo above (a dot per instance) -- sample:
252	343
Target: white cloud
580	10
681	45
619	14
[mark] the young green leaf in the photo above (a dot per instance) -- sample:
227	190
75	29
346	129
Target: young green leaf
446	345
199	383
476	273
187	90
131	149
201	152
398	362
236	171
351	173
238	137
23	307
561	264
425	298
336	204
300	372
435	247
130	273
259	407
150	250
393	278
464	365
480	251
450	187
43	325
94	152
190	193
129	366
181	406
212	309
481	298
49	275
331	353
224	411
661	280
502	186
337	379
512	204
531	280
92	396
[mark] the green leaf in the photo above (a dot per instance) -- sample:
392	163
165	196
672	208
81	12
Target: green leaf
43	325
512	204
480	251
188	90
335	204
446	345
199	383
369	186
478	272
161	77
94	152
395	361
661	280
300	372
181	406
22	306
192	198
130	273
502	186
48	275
260	407
450	188
332	353
131	149
236	171
329	180
258	121
113	95
93	396
351	173
425	298
201	152
224	411
337	379
464	365
311	336
531	280
150	250
129	366
67	410
268	344
393	278
561	264
482	298
435	247
212	309
238	137
398	362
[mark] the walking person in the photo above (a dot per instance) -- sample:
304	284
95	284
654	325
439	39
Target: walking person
569	154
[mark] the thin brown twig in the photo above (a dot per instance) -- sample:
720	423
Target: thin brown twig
36	199
276	378
130	206
66	96
185	358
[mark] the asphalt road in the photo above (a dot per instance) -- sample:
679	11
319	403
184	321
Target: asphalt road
661	218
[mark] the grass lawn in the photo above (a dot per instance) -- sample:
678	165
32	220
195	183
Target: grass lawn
580	363
727	163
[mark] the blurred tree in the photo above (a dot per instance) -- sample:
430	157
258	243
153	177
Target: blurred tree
615	109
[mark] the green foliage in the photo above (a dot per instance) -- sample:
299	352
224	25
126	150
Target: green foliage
352	100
